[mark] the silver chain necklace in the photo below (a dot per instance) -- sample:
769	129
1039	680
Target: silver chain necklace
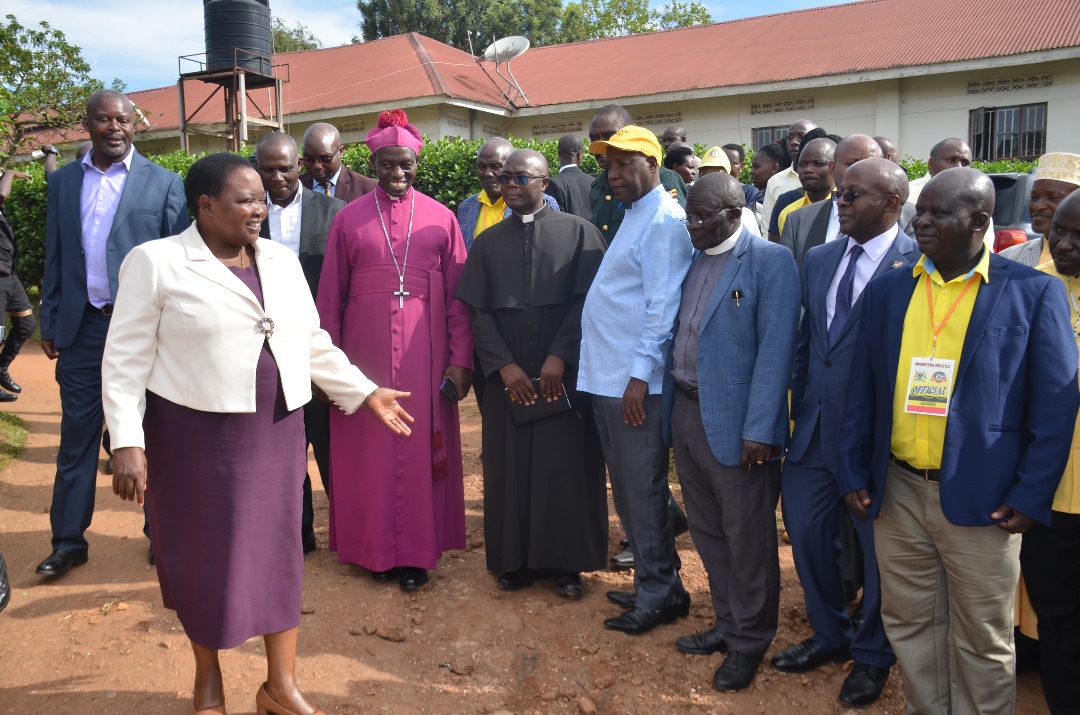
400	293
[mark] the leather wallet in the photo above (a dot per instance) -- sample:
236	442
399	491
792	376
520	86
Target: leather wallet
524	414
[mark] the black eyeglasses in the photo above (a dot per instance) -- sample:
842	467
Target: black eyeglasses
853	196
519	179
697	221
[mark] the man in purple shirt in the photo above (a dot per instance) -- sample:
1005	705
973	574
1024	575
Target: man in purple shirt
98	210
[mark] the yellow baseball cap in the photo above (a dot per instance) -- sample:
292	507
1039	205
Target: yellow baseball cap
716	157
631	138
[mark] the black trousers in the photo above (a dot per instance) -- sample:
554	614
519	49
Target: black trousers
1050	559
13	299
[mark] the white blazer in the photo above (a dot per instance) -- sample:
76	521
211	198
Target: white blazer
185	328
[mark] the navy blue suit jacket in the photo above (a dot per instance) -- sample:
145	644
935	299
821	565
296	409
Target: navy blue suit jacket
745	350
820	384
151	206
1013	407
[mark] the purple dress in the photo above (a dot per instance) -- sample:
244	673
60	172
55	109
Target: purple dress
224	498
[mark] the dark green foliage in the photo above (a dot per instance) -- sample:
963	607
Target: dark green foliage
25	209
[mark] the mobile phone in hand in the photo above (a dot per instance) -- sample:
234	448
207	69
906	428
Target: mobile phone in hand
449	390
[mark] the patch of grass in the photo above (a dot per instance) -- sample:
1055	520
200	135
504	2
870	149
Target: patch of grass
13	432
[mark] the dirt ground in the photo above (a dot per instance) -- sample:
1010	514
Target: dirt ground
99	641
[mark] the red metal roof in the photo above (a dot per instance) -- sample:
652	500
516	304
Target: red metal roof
854	37
838	39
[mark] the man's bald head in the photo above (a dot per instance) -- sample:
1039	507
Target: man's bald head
278	164
853	148
874	193
795	134
951	217
570	149
322	151
608	119
674	133
815	168
490	162
888	149
714	209
947	154
527	198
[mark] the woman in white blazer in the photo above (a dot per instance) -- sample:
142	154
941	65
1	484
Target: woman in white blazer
212	349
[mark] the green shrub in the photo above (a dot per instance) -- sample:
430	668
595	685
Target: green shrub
447	172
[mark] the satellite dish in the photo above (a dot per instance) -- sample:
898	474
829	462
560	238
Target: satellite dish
506	49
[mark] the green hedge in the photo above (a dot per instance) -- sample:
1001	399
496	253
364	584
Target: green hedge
447	172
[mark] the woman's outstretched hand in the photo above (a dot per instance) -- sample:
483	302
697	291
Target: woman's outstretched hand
384	403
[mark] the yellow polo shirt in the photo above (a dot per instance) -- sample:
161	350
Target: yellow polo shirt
1067	497
490	213
919	439
782	218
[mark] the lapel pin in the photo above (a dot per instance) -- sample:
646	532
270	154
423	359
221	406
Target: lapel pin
897	264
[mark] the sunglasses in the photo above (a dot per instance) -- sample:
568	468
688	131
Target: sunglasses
519	179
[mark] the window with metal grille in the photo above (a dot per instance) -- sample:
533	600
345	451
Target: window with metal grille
767	135
1008	132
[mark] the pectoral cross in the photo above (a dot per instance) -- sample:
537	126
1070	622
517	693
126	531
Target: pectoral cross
401	292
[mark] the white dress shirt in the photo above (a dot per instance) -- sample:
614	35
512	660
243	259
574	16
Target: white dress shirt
833	231
285	222
875	249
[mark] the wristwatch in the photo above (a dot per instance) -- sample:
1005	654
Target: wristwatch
50	151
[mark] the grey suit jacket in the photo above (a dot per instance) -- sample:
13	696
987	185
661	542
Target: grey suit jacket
570	189
317	212
819	388
1026	253
151	206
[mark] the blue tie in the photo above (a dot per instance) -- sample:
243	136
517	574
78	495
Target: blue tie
844	290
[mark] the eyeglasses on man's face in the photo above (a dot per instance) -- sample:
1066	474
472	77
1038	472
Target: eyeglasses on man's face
519	179
853	196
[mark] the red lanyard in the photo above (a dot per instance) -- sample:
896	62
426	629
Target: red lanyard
938	327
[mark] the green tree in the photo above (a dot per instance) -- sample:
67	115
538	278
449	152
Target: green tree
44	82
293	39
597	19
538	20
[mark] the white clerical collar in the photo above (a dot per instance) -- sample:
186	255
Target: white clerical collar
568	166
726	245
529	218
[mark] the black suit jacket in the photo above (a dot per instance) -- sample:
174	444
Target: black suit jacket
350	186
317	212
570	189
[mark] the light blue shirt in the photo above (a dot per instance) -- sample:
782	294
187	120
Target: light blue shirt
98	200
320	189
630	310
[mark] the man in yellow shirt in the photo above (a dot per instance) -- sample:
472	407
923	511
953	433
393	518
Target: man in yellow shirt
958	426
1049	553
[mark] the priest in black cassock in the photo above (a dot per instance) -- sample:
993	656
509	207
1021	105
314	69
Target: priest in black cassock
525	280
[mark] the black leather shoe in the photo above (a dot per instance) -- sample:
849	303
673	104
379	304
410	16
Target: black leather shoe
568	585
624	559
60	561
412	578
737	672
5	584
517	580
8	396
385	576
705	643
863	685
679	523
7	383
637	620
807	655
150	555
626	599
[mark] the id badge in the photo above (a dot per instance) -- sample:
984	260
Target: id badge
930	386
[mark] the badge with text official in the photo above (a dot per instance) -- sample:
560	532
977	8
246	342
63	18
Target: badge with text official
930	386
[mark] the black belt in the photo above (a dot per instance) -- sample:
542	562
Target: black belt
103	310
930	475
690	393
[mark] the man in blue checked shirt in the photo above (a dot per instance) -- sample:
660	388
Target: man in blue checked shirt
626	337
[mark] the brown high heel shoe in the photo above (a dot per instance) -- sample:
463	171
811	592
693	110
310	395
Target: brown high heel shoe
267	706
